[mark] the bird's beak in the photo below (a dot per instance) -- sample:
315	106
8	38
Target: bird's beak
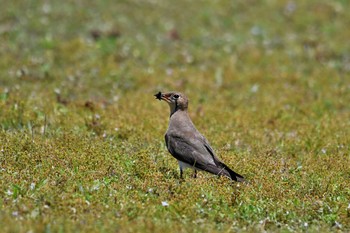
165	97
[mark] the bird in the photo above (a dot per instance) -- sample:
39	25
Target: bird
187	144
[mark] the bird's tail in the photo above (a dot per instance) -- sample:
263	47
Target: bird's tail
232	175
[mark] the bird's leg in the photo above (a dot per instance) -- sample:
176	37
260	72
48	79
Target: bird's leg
181	173
195	173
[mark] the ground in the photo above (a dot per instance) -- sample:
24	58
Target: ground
82	136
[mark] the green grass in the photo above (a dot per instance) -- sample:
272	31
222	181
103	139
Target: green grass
81	135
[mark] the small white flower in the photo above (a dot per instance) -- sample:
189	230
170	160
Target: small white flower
9	192
150	70
46	8
95	187
256	31
306	224
164	203
337	224
290	7
15	213
116	98
169	72
254	88
32	186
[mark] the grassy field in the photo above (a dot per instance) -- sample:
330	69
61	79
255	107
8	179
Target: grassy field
82	137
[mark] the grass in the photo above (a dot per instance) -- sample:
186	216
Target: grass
81	136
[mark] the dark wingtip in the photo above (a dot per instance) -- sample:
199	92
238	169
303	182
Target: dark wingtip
158	96
233	175
240	179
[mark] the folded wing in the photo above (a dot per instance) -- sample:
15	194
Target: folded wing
195	150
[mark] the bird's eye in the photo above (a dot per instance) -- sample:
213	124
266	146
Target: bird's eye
176	96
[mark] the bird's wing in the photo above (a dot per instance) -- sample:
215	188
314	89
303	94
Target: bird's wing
195	150
224	168
191	149
210	150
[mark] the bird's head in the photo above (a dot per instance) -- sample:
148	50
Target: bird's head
176	100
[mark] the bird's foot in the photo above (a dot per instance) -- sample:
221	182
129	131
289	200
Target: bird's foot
194	174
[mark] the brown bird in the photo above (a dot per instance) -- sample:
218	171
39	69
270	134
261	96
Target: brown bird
186	144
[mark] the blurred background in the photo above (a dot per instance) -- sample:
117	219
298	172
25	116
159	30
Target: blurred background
257	56
253	53
88	49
